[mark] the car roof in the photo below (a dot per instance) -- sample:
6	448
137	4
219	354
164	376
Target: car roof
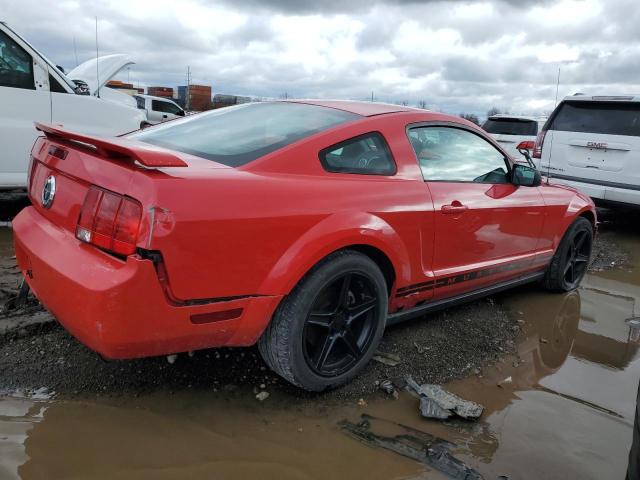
153	97
518	117
579	97
366	109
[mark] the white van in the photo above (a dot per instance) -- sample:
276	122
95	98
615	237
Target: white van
159	109
593	144
33	89
513	131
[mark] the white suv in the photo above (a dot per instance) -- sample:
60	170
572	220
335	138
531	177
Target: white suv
593	144
514	131
33	89
159	109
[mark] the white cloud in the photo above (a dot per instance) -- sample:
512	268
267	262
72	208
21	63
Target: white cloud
454	55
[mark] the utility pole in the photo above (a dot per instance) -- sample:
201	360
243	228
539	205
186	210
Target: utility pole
75	50
557	87
97	62
187	101
371	95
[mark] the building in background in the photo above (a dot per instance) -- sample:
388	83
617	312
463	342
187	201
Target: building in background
165	92
199	97
221	100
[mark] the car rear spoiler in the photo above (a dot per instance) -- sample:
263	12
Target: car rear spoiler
115	148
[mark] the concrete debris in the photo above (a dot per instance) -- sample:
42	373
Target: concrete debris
389	388
506	381
436	402
390	359
419	348
262	396
412	443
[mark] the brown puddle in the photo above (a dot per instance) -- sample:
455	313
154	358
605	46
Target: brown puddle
567	412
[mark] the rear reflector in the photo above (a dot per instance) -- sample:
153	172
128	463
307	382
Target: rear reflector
109	221
216	316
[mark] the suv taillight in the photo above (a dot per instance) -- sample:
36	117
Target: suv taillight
537	147
109	221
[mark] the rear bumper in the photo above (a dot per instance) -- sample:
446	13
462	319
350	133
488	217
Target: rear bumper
118	307
601	191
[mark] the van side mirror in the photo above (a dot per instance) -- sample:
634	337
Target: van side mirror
525	176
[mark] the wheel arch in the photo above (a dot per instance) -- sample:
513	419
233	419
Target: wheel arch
589	215
361	232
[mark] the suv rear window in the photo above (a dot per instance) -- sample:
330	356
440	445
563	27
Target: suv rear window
598	117
511	126
237	135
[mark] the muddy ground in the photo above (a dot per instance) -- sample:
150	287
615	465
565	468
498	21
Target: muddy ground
36	352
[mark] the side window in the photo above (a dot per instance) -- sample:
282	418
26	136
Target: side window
16	65
366	154
448	154
139	102
54	85
164	107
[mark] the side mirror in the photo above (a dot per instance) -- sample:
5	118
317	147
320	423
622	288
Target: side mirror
525	176
180	113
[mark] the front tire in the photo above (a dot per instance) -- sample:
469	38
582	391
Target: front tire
327	329
569	263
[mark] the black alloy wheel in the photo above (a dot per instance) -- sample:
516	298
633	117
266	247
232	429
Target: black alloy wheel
328	327
571	259
577	258
341	324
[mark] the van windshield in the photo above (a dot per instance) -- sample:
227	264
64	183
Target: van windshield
511	126
235	136
609	118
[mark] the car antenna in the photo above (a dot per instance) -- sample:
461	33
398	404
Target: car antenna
551	146
97	63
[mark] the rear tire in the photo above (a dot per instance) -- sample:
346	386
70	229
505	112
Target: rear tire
571	260
327	329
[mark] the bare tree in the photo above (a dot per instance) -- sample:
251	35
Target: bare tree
493	111
422	104
472	117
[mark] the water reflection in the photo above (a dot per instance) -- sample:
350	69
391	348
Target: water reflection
569	408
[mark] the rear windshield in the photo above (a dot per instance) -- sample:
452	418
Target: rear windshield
598	117
237	135
511	126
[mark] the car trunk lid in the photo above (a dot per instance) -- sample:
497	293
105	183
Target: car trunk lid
65	166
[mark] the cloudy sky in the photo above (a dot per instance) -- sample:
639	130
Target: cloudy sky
456	56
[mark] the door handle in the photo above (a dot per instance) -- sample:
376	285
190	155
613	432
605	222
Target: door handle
454	207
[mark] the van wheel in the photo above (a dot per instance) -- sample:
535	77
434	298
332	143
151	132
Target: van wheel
327	329
569	263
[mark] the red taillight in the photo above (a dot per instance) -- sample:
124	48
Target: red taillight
526	145
109	221
537	147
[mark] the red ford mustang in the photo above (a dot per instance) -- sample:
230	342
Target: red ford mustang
305	227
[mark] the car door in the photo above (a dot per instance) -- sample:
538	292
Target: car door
164	111
24	99
486	229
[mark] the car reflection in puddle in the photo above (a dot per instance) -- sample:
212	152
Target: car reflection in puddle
568	410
